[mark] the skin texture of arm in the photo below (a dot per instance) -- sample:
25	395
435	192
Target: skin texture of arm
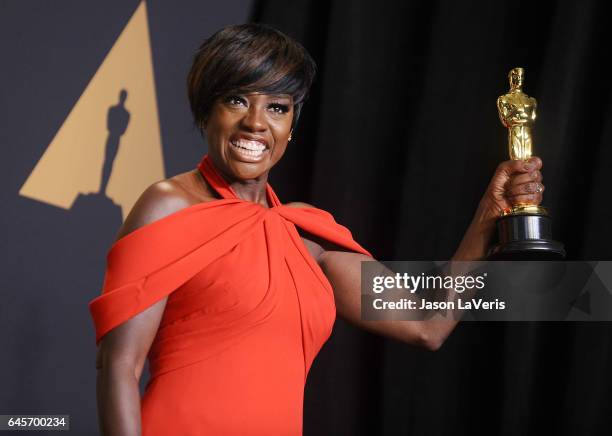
513	182
122	352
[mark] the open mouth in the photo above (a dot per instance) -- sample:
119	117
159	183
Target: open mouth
249	148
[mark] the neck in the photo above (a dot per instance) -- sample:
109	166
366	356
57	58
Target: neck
253	190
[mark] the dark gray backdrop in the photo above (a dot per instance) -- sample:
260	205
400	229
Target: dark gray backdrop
53	259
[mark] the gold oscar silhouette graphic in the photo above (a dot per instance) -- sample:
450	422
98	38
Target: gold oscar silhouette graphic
109	147
525	230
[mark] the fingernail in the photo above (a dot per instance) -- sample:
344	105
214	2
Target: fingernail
529	166
534	175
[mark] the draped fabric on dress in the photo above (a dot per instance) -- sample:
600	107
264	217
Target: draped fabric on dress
248	310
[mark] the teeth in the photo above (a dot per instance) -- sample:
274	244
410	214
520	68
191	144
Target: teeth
251	153
241	146
249	145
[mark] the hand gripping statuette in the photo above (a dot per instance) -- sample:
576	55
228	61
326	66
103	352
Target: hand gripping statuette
524	230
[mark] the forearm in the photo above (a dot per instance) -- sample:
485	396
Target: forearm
473	247
477	238
118	401
343	270
426	328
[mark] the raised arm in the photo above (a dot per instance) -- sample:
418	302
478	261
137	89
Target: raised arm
513	182
122	351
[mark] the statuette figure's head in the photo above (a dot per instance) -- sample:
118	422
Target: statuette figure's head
516	79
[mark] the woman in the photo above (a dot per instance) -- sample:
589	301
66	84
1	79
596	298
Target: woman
228	292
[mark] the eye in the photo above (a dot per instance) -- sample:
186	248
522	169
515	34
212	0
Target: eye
279	108
235	100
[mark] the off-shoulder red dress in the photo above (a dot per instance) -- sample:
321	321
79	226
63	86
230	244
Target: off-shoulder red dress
248	310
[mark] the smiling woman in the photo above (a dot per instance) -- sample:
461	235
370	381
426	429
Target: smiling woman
228	292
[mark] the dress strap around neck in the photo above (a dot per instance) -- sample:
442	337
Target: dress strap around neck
212	176
216	180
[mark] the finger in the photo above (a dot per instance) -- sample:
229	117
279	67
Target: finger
511	167
535	198
536	161
534	176
525	188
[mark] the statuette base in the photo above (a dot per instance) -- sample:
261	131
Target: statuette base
526	237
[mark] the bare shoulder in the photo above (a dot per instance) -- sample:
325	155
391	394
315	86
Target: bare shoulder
164	198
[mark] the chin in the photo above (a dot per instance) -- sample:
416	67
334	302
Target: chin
248	170
240	167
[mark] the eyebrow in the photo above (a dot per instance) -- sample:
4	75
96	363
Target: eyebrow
287	96
281	96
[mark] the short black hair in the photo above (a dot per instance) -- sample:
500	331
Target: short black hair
249	58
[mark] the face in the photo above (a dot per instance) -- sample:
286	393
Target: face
248	133
516	78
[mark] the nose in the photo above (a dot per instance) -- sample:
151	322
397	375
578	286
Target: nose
255	119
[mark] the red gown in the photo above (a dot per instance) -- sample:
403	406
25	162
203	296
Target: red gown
248	310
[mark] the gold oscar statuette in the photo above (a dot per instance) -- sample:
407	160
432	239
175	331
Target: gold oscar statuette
524	230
